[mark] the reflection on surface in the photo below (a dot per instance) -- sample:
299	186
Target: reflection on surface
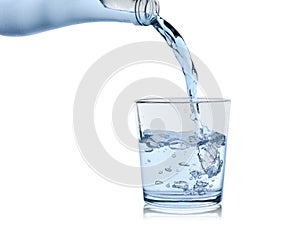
156	212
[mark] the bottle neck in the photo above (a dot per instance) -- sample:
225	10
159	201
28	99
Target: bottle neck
145	11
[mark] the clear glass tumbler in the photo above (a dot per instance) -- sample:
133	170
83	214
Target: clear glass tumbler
182	155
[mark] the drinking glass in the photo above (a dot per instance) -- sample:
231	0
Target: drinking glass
182	155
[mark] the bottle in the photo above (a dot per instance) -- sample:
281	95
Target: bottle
25	17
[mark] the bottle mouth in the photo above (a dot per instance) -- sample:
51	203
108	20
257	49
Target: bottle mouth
146	11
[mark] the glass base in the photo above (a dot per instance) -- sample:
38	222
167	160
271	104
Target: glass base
214	211
183	202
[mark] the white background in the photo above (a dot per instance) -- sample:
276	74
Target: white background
253	50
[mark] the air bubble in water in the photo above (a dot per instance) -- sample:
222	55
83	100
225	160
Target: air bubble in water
181	185
158	182
151	143
148	150
168	169
183	164
196	174
177	144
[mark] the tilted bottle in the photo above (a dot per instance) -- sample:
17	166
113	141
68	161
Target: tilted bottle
25	17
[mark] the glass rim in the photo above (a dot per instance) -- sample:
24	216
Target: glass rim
180	100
